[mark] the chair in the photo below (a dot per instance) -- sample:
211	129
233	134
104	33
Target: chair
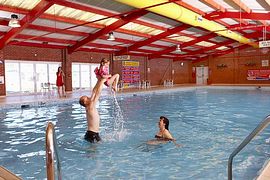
45	87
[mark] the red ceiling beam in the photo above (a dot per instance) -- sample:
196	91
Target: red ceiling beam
4	22
190	43
249	27
124	20
2	33
256	35
237	15
40	8
152	39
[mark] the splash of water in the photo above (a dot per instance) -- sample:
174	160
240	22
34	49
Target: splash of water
119	132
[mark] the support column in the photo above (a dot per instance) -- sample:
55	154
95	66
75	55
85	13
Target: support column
67	68
2	74
146	69
210	69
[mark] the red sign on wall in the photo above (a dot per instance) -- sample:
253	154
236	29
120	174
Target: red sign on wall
258	74
130	73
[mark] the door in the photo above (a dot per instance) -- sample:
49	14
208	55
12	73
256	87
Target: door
201	75
27	77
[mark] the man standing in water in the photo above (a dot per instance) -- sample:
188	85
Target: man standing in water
92	116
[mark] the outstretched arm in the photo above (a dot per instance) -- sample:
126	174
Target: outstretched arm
97	90
168	136
177	145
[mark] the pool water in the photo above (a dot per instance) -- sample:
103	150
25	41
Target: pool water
209	123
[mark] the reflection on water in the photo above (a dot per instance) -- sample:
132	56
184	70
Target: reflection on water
209	123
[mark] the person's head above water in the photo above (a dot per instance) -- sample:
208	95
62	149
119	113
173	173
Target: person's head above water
165	121
84	100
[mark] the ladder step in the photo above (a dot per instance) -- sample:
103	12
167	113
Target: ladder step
7	175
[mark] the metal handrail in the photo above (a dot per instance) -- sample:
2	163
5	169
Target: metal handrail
254	133
51	150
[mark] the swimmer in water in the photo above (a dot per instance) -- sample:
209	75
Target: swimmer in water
92	116
163	135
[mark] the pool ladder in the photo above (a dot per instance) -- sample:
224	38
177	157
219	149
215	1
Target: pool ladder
251	136
51	150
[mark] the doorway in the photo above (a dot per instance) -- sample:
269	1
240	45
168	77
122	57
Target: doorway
201	75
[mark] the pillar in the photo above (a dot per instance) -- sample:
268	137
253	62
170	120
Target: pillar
67	68
2	74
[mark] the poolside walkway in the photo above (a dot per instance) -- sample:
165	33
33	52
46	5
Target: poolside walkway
53	97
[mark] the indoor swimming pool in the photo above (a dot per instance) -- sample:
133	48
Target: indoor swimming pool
209	123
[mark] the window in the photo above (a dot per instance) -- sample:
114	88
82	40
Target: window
83	76
27	76
12	77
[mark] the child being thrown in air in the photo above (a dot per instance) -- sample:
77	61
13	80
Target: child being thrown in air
103	72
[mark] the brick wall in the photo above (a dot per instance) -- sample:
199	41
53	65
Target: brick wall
32	54
182	72
87	57
160	69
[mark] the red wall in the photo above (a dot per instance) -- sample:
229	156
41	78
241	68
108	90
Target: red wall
235	72
237	64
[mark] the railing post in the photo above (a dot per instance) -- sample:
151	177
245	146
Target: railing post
253	134
51	152
230	168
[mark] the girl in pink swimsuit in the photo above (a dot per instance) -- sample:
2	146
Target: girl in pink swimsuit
103	72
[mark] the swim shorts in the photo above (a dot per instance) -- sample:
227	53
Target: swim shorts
92	136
